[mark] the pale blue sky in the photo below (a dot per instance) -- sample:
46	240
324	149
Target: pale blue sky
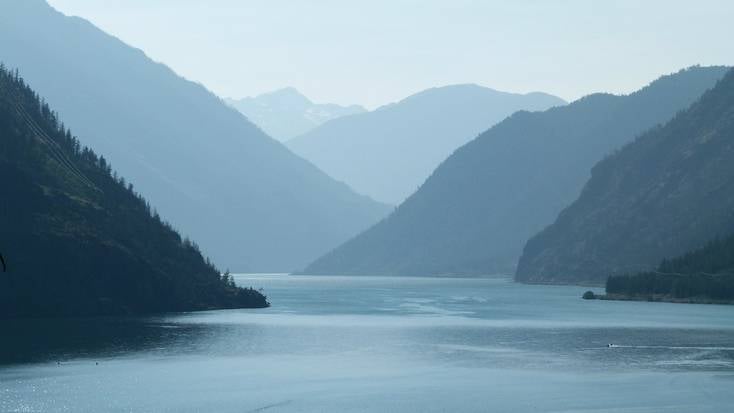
376	51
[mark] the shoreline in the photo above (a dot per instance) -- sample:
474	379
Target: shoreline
662	299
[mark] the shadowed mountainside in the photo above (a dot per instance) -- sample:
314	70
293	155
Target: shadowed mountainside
669	192
389	152
250	203
77	240
477	210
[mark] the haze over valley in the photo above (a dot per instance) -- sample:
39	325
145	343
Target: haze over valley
285	113
255	211
444	206
368	151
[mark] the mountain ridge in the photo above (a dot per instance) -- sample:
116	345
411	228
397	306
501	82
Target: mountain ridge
184	149
285	113
78	240
475	212
368	151
669	191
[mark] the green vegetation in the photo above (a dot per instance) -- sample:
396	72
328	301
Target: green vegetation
77	239
250	203
668	192
704	275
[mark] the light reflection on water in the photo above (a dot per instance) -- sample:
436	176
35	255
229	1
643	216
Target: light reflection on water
381	344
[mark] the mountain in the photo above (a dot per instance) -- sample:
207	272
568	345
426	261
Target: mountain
669	192
477	210
77	240
250	203
388	153
286	113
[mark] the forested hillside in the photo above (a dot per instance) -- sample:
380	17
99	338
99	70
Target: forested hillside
667	193
479	207
703	275
250	203
77	239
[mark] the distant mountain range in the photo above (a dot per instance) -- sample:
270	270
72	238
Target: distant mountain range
77	241
388	153
479	207
286	113
668	192
250	203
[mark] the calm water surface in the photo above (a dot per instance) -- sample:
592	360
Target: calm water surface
381	344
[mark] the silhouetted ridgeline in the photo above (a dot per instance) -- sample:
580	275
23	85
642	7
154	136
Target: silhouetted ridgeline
668	192
188	152
480	206
77	239
704	275
389	152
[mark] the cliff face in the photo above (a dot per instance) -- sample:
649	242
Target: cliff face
670	191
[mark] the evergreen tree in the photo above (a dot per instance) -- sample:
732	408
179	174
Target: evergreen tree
81	240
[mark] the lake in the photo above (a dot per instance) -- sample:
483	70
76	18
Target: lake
381	344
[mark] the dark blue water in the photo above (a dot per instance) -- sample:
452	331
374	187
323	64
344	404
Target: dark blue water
341	344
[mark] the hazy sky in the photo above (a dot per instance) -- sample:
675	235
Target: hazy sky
376	51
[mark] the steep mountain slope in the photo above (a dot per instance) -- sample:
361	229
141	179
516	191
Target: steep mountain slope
477	210
668	192
76	240
388	153
286	113
251	203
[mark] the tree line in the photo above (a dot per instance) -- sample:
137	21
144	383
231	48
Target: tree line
706	273
78	239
